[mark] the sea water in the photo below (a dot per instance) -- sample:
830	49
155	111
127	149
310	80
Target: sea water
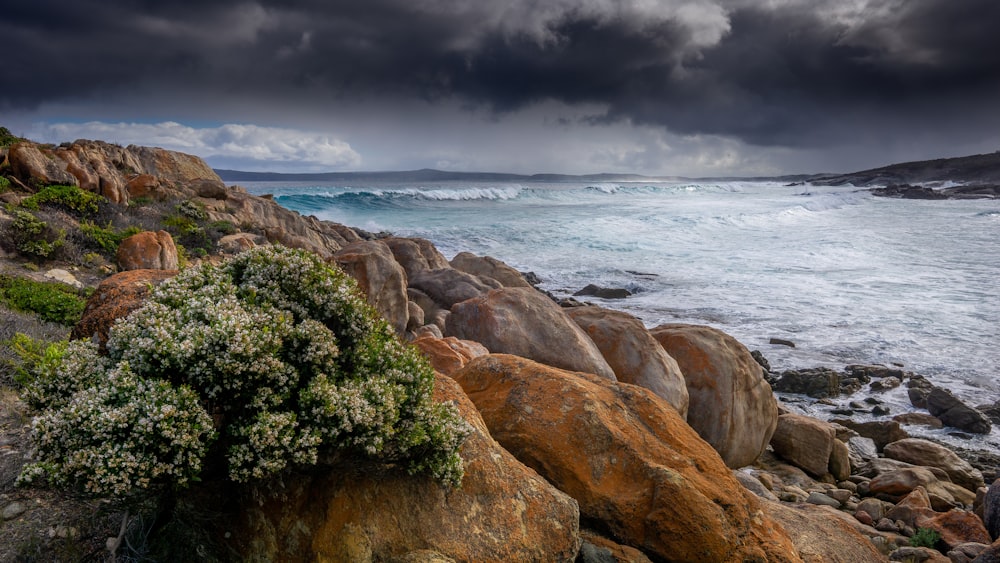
848	277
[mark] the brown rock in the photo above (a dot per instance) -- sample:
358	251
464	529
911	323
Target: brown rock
900	482
380	277
627	457
731	405
503	512
805	442
116	297
237	242
599	549
449	355
145	185
840	461
36	167
526	323
487	266
923	452
915	504
989	555
634	355
881	431
911	554
416	254
821	537
447	286
953	412
955	526
147	251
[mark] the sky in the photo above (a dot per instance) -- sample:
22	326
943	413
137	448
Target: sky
656	87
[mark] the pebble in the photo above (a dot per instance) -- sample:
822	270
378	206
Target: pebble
823	499
13	510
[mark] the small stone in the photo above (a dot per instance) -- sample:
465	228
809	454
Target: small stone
886	525
864	518
822	499
13	510
880	410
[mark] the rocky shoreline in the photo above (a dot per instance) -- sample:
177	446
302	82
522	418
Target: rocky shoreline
595	438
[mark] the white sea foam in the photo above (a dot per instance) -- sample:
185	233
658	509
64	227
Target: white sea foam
850	278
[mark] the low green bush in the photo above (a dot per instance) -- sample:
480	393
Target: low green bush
51	301
72	198
7	138
4	184
32	236
277	347
107	238
925	537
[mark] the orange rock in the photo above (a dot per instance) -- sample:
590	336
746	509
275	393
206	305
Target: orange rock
599	548
116	297
147	251
503	512
450	354
955	526
627	457
731	405
804	442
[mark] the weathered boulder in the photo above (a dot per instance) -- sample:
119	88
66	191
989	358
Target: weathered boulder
35	167
861	450
805	442
599	549
991	510
915	504
989	555
953	412
448	355
627	457
380	277
115	297
526	323
487	266
840	461
731	405
923	452
416	254
910	554
503	512
955	526
943	493
881	431
918	419
238	242
447	286
821	537
966	552
634	355
147	251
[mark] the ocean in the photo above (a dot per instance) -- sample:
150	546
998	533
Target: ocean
848	277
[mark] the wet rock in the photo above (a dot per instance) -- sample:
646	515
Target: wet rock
991	510
953	412
592	290
634	355
731	405
816	383
918	419
523	322
627	457
885	384
781	342
760	359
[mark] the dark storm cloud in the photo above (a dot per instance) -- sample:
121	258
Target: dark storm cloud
792	72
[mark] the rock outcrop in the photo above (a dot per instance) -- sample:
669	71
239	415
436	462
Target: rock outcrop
953	412
634	355
503	511
923	452
627	457
487	266
148	251
731	405
523	322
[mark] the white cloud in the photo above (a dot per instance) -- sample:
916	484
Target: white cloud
228	145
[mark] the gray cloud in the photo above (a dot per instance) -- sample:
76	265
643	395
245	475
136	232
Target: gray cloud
777	73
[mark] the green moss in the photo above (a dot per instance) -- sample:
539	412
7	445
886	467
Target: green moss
51	301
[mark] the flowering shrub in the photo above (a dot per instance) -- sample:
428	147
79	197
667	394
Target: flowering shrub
279	348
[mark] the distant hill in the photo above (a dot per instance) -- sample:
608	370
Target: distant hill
978	169
427	175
